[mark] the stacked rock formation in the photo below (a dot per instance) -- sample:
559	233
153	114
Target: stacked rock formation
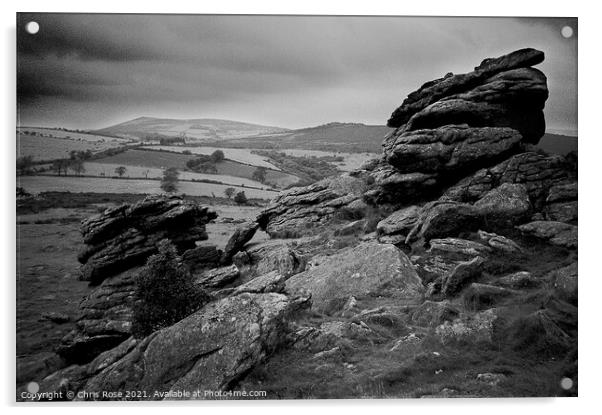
299	210
455	125
119	241
124	236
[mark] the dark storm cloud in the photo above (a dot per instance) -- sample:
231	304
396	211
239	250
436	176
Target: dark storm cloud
285	70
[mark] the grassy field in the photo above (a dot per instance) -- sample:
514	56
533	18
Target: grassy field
242	155
163	159
71	135
49	148
138	172
351	161
38	184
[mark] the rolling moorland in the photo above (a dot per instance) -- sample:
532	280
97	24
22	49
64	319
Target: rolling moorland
463	260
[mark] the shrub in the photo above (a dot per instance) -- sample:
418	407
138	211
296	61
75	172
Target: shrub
240	198
169	181
217	156
165	292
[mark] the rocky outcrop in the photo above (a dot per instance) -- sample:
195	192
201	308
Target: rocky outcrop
217	277
208	351
125	236
565	282
537	172
462	273
299	211
449	148
561	203
237	241
104	319
432	313
201	257
369	269
453	126
264	257
507	81
556	233
507	203
443	218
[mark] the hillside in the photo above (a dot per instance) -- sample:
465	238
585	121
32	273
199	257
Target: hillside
195	130
344	137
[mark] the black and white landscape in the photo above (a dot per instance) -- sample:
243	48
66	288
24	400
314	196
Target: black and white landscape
296	207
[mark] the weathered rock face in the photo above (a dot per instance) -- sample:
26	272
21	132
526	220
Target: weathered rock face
537	172
561	203
125	236
432	314
209	350
565	282
505	80
449	148
299	211
506	203
453	126
442	218
104	320
237	241
201	257
369	269
556	233
268	256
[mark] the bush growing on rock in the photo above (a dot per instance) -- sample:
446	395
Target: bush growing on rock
165	293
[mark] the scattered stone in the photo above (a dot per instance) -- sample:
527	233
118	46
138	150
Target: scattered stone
476	328
399	222
519	280
411	341
55	317
556	233
492	379
482	296
432	314
238	240
464	247
499	242
565	282
461	274
335	351
561	203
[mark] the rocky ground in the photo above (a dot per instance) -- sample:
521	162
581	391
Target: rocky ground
445	268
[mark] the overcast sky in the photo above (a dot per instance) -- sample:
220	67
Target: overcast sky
91	71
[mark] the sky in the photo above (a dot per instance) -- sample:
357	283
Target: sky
91	71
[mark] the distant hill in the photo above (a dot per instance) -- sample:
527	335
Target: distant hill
558	144
335	136
195	130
